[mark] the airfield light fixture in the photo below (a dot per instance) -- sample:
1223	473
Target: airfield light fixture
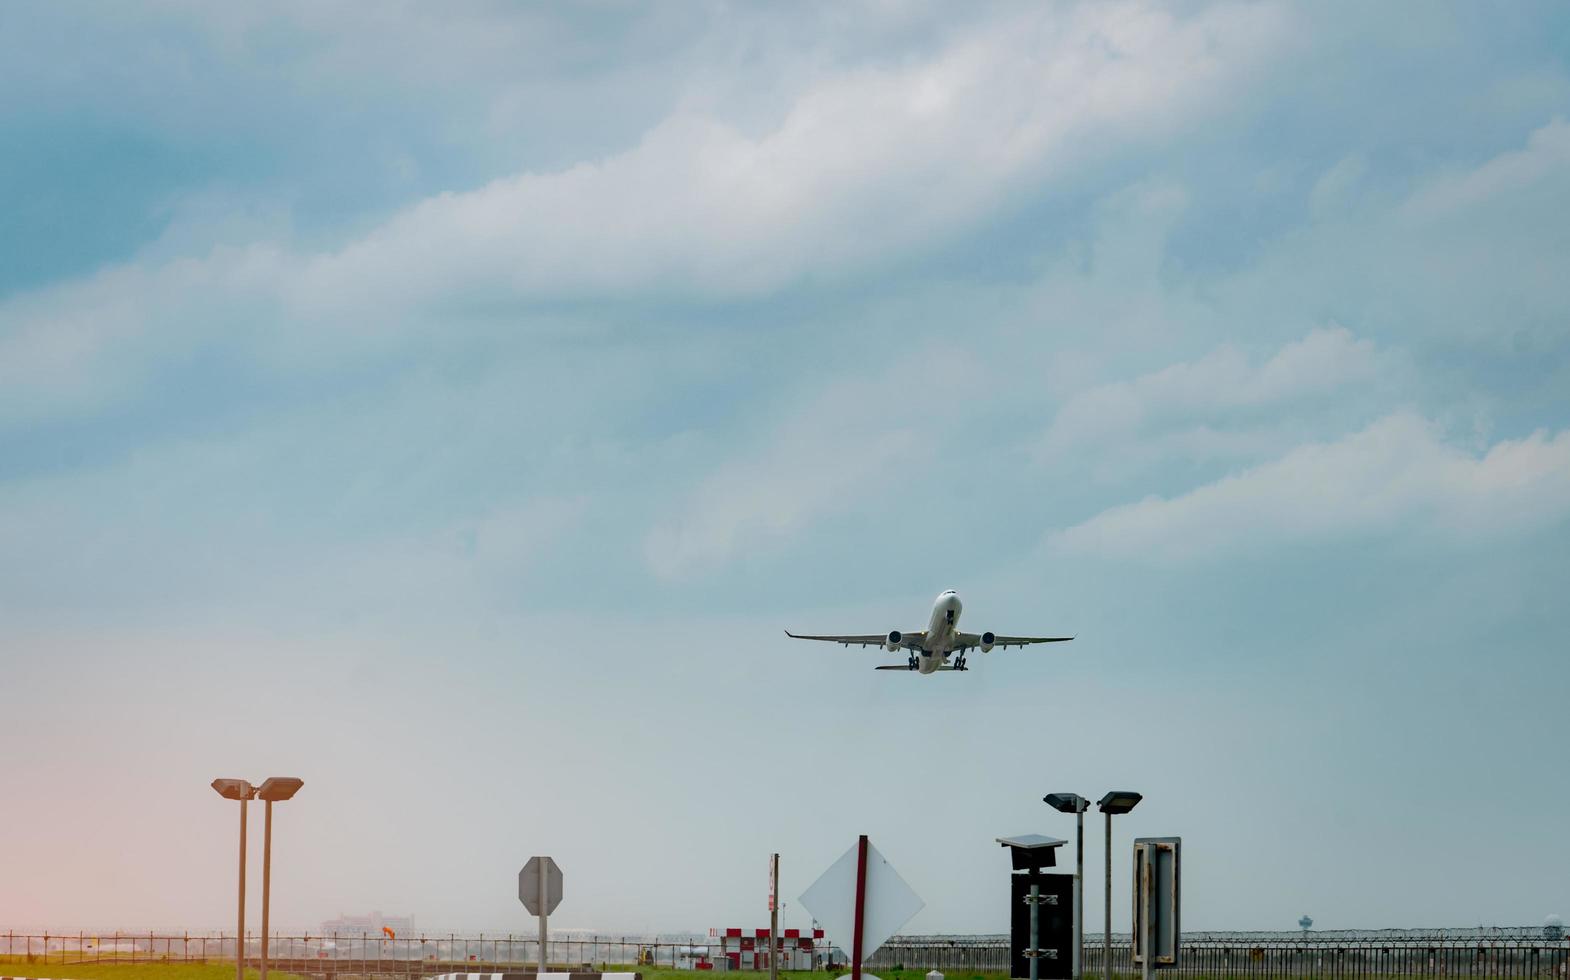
273	790
1066	802
238	789
279	788
1077	805
1114	803
234	789
1119	802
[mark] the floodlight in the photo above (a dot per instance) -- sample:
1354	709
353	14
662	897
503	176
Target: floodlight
1119	802
277	788
1066	802
234	789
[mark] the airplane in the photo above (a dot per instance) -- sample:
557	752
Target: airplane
928	651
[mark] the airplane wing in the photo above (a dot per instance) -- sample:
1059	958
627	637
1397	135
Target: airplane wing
974	640
865	639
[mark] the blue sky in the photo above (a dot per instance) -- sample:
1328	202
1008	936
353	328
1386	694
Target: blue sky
452	406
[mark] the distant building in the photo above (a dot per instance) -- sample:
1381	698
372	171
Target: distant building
748	949
369	925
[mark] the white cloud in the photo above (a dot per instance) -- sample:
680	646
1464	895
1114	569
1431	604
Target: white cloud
1214	387
1474	255
1336	185
855	439
757	501
865	164
1547	152
1399	474
868	164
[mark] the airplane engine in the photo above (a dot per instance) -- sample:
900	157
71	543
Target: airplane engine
895	636
987	639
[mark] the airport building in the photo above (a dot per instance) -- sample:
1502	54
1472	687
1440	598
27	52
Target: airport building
748	949
369	925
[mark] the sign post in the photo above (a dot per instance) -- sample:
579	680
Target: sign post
774	917
539	889
861	907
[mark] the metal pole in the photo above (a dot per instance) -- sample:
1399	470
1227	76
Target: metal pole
1147	904
544	877
774	917
1106	935
239	934
1035	944
861	904
1079	891
267	877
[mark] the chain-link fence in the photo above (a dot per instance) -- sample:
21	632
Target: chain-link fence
1398	953
335	954
1464	953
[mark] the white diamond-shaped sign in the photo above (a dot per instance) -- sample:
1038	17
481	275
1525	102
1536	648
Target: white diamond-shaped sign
889	904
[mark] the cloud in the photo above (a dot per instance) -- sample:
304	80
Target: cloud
1472	254
852	440
866	164
1546	154
1397	475
869	164
1220	385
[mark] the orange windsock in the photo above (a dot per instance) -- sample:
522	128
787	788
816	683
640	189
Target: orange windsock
390	934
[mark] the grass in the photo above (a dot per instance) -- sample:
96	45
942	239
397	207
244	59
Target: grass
18	966
650	973
221	970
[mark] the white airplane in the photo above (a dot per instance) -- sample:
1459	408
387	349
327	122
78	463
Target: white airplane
929	649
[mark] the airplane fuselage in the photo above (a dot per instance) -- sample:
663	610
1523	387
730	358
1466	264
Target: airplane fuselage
942	629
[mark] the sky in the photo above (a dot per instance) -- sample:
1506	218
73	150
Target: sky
452	405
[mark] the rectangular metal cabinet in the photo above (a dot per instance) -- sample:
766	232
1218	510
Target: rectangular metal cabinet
1055	926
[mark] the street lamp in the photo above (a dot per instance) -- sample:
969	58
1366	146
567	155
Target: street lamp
238	789
1077	805
274	789
1115	802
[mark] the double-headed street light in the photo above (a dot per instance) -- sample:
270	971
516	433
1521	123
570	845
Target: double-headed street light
272	790
1077	805
1116	802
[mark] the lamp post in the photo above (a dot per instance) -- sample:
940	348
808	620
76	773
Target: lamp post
1077	805
274	789
1113	803
238	789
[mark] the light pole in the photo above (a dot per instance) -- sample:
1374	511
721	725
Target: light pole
274	789
1114	802
1077	805
238	789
